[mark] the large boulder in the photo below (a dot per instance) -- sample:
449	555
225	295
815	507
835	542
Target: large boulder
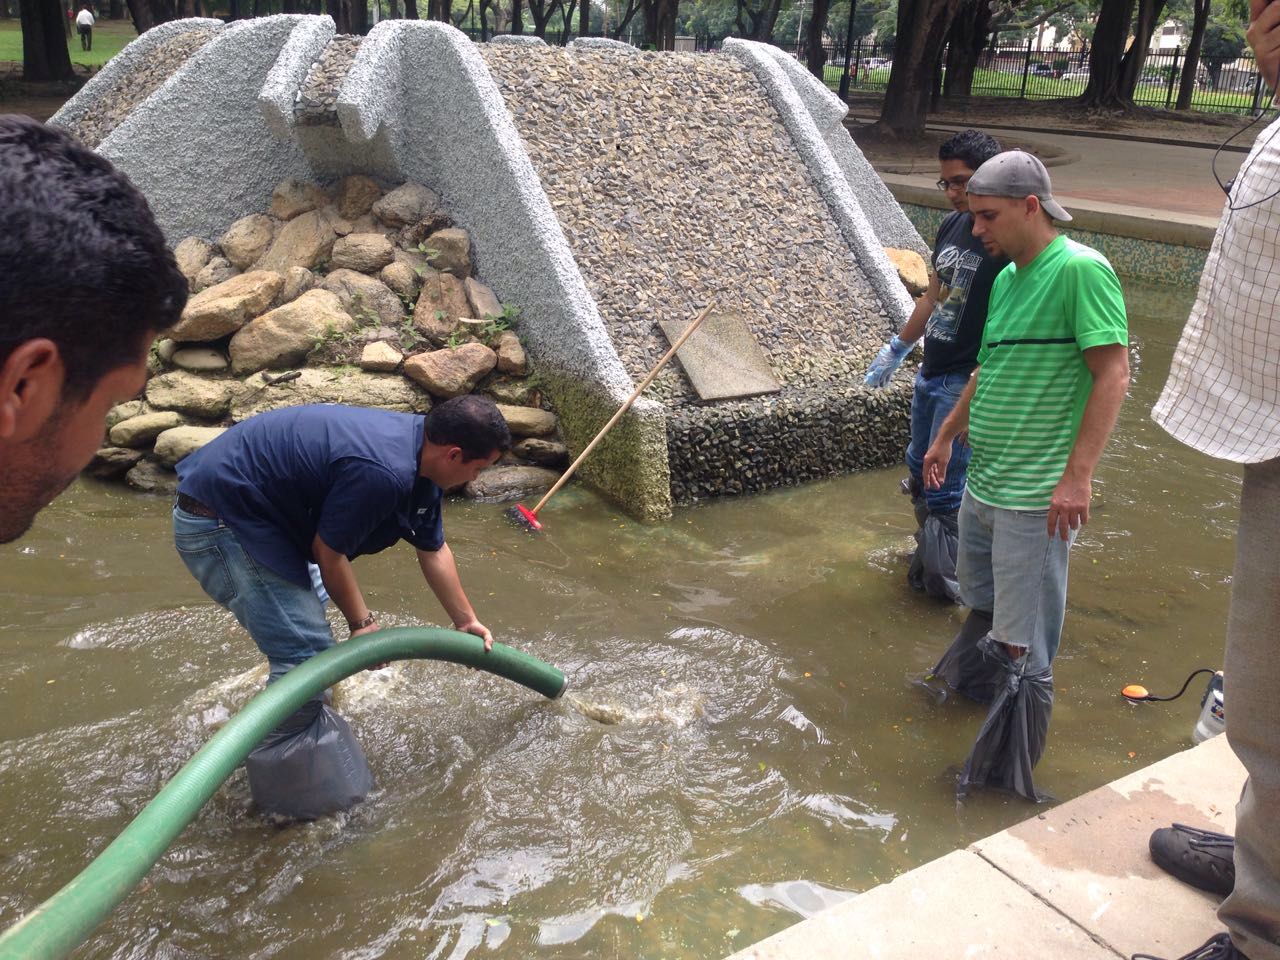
510	483
528	421
141	430
366	252
247	239
294	197
442	300
380	357
406	205
545	453
452	248
356	196
369	301
123	411
313	385
484	302
173	445
912	270
304	241
217	270
402	279
112	462
191	394
284	336
152	477
200	359
297	281
511	355
451	373
224	309
193	254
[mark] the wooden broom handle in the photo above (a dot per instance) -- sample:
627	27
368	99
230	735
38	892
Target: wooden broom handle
564	477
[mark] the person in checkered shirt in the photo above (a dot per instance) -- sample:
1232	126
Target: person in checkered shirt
1223	399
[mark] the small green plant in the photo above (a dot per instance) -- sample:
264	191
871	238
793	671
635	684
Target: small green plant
495	324
456	339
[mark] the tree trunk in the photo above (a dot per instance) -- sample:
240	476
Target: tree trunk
1191	66
517	20
922	30
1135	57
45	55
965	43
760	20
660	23
1109	36
411	9
814	33
4	10
584	19
340	11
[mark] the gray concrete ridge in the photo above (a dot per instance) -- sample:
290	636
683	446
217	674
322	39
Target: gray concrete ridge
1073	883
279	92
828	112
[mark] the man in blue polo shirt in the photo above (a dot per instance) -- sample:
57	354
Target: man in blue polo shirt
270	515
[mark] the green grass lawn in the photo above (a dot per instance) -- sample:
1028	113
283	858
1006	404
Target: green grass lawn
109	38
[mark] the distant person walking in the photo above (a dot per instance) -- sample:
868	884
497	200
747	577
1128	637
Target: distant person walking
84	27
1052	373
949	316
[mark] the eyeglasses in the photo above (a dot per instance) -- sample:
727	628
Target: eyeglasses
959	183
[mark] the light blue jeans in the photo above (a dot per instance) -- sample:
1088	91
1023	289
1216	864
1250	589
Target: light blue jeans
1008	564
931	401
286	621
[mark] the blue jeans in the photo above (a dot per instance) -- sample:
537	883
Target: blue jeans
931	401
1008	564
286	621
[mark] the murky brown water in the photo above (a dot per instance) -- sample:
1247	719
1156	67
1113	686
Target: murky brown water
771	758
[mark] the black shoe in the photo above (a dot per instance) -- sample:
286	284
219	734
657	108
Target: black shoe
1218	947
1201	858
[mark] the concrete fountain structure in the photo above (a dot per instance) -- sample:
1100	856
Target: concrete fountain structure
605	191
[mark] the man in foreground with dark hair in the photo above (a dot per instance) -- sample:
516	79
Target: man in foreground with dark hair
269	517
86	283
950	316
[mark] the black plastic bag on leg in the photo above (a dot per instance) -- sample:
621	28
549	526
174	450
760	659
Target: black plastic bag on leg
310	766
965	668
1012	737
933	565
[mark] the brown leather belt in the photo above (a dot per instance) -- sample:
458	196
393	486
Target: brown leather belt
192	505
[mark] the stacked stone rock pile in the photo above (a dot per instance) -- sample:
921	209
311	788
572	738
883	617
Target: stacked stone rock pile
318	98
134	86
346	296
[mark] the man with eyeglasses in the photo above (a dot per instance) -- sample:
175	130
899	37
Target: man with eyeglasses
950	315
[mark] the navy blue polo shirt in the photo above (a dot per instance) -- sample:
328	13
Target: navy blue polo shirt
348	474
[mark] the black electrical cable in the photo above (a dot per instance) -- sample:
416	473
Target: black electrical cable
1227	187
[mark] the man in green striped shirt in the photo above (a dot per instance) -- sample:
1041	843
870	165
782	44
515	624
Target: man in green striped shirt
1052	373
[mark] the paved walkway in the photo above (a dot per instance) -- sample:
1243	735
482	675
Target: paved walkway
1072	883
1135	178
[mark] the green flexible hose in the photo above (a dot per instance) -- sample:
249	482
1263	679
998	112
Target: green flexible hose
66	919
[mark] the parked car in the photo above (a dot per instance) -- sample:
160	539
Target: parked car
1076	75
1043	70
876	63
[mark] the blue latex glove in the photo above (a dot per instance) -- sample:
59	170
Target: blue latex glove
886	362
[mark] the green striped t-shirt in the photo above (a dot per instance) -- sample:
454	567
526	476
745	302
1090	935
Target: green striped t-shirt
1033	383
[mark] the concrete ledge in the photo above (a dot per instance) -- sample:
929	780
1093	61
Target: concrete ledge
1074	881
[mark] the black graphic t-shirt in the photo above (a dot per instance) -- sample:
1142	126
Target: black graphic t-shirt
965	271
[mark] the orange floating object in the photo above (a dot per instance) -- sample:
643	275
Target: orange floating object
1135	691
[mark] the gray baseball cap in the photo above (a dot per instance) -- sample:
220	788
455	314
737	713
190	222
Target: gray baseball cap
1016	173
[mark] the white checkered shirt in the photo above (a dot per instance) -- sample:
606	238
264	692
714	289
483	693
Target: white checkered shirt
1223	392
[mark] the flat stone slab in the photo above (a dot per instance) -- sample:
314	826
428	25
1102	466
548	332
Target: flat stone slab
1089	859
957	906
722	358
1074	881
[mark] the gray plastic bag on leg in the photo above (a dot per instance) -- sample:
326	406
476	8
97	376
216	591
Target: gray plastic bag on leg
310	766
933	566
1012	737
965	668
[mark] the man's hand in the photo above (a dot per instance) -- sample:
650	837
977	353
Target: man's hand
371	628
1069	508
479	629
1264	37
935	464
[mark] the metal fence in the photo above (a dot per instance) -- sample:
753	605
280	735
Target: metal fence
1222	84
